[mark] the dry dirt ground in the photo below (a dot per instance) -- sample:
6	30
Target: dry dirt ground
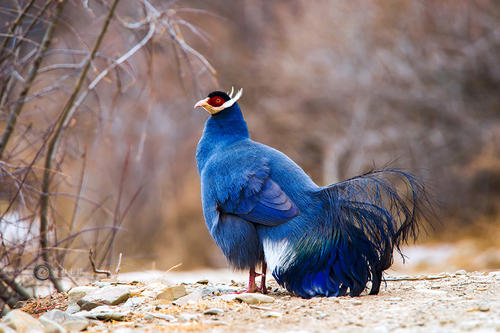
446	302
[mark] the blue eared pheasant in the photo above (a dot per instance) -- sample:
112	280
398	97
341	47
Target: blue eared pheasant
261	208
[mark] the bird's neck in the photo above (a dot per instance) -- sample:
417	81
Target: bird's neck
221	130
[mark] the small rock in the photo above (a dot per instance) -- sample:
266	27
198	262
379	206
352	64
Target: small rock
22	322
213	311
162	306
394	299
51	326
104	296
161	316
134	302
484	307
146	308
76	325
104	312
261	307
6	329
191	298
251	298
271	315
321	315
204	281
77	293
357	302
188	317
216	290
70	322
172	293
136	291
72	308
461	272
435	286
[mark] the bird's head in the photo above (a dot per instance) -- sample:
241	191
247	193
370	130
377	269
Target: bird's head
218	100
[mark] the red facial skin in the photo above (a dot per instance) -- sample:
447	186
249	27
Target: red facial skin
216	101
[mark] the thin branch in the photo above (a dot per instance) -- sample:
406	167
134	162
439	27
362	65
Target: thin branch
44	199
94	268
14	285
118	266
119	61
15	24
44	45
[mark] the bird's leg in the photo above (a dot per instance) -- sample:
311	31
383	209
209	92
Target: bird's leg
252	287
263	288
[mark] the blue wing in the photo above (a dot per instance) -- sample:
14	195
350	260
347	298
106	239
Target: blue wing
242	186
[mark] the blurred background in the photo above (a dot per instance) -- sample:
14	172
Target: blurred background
340	86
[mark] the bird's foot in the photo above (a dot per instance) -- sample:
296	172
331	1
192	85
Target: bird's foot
252	287
249	290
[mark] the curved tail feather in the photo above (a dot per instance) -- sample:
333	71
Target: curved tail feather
363	220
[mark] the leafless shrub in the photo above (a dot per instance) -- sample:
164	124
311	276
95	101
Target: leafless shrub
66	68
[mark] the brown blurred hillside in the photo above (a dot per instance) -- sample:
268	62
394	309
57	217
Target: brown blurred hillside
340	86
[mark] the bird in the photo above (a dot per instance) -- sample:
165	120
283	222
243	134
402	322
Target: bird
262	209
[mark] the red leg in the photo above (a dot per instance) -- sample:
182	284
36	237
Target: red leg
251	282
263	288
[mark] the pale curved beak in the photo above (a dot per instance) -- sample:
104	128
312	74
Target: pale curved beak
202	103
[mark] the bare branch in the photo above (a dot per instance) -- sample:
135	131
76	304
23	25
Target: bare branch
94	268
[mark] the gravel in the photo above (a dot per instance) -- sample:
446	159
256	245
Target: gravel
447	302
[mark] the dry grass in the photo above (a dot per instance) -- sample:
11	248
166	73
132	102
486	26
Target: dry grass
39	305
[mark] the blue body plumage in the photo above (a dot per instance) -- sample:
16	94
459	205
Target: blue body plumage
260	206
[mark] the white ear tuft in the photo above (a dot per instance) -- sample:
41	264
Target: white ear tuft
231	93
237	96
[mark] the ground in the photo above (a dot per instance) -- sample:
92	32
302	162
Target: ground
445	302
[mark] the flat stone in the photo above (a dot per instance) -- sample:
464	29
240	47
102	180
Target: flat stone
461	272
251	298
484	307
105	312
357	302
72	308
394	299
51	326
161	316
204	281
22	322
172	293
189	317
322	315
271	315
77	293
6	329
192	298
134	302
70	322
213	311
76	325
105	296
